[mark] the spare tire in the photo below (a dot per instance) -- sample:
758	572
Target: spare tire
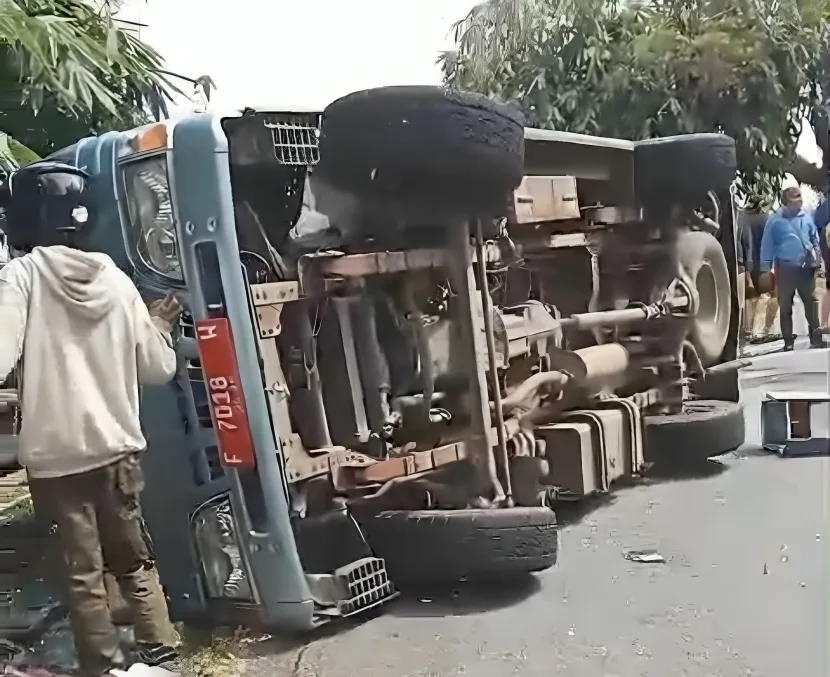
448	545
704	429
683	169
701	257
407	144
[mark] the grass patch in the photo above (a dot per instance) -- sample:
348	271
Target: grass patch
20	508
211	654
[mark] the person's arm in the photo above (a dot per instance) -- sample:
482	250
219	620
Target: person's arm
767	255
812	229
822	216
154	346
14	310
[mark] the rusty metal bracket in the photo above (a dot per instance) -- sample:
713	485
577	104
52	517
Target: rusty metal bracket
268	300
323	272
302	465
272	293
414	463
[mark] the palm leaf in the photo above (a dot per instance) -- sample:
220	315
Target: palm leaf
79	56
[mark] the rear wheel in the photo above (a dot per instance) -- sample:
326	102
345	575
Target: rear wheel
448	545
458	150
703	260
704	429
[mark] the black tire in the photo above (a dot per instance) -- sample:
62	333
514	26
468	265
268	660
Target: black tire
448	545
701	257
683	169
406	144
705	428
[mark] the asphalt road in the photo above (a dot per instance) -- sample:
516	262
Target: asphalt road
744	591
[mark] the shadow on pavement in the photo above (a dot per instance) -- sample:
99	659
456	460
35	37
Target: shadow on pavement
284	655
436	601
752	451
426	601
711	467
463	598
570	513
270	646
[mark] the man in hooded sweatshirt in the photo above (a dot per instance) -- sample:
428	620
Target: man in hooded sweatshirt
88	342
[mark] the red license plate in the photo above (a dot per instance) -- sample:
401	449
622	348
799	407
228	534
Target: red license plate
224	389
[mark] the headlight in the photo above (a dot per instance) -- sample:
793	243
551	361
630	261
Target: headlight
150	206
223	569
162	251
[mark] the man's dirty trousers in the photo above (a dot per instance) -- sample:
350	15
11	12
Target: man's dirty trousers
96	525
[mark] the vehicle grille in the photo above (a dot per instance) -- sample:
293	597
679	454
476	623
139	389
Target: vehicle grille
368	585
296	139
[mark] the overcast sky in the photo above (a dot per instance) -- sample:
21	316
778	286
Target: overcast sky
276	52
306	54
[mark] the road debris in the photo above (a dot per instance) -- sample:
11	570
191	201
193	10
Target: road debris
142	670
644	556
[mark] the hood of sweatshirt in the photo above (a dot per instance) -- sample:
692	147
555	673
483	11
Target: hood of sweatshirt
76	278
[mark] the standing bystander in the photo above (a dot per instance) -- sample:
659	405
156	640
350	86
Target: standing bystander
821	217
87	342
746	287
790	254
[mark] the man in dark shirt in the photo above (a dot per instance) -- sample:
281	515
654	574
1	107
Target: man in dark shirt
821	217
751	222
746	288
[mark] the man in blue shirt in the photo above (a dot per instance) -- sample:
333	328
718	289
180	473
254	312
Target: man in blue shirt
790	246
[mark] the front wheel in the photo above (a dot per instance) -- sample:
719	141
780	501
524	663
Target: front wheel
449	545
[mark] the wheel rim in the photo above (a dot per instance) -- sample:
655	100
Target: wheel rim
709	308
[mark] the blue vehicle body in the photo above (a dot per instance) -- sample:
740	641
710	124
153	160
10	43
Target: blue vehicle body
189	493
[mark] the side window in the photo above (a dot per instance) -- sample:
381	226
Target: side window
152	226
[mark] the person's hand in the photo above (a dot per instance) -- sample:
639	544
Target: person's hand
749	288
765	283
168	308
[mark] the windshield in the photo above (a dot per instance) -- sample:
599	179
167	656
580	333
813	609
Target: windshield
152	224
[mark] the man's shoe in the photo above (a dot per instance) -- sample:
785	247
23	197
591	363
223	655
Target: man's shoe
788	347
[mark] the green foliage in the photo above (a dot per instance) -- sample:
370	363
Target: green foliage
22	154
749	68
14	154
68	69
